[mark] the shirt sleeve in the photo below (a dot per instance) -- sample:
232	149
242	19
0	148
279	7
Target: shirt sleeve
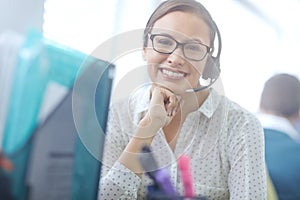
247	177
119	183
116	181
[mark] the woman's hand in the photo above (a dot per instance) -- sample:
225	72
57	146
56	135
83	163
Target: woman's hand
164	105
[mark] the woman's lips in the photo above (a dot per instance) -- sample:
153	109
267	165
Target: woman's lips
172	74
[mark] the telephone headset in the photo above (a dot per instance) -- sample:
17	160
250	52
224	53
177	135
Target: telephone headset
212	69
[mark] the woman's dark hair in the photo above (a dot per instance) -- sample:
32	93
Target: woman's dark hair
281	95
190	6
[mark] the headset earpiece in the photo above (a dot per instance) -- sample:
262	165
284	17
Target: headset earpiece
212	68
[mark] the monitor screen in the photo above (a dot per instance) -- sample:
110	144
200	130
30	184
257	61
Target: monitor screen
65	159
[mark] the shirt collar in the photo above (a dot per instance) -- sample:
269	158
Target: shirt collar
211	103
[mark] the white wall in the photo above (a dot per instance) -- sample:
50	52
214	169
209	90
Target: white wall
20	15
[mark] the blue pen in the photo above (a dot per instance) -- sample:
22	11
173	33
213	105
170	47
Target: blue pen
148	162
161	177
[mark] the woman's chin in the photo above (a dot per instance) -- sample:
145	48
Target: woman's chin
174	87
177	90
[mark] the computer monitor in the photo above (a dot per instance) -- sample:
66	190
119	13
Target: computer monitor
65	159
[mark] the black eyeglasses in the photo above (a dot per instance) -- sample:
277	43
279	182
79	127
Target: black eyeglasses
191	50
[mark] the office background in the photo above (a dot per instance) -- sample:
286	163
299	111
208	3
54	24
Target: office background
259	38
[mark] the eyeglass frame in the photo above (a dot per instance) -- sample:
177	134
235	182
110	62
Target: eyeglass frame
208	49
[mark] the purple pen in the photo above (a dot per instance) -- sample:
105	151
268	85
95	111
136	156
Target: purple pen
162	177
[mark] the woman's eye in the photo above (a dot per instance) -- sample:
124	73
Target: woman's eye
193	47
165	42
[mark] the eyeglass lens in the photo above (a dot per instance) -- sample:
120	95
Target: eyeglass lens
167	45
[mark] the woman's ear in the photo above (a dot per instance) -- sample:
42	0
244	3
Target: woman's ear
144	53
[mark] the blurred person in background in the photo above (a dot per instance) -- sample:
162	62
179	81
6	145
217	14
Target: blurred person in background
279	114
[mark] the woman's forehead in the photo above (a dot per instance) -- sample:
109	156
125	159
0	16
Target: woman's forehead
183	26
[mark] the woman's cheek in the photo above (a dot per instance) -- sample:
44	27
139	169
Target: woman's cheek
156	58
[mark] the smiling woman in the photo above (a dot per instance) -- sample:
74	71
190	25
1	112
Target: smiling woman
259	39
223	140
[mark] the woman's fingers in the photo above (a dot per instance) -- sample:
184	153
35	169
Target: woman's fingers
157	111
172	104
166	100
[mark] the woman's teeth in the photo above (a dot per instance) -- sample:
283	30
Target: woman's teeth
172	74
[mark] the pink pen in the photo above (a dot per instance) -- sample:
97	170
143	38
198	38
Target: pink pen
186	176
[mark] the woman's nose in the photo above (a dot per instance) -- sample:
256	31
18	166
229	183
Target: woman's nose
176	57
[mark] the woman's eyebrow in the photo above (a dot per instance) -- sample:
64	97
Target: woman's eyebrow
195	40
162	33
191	40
